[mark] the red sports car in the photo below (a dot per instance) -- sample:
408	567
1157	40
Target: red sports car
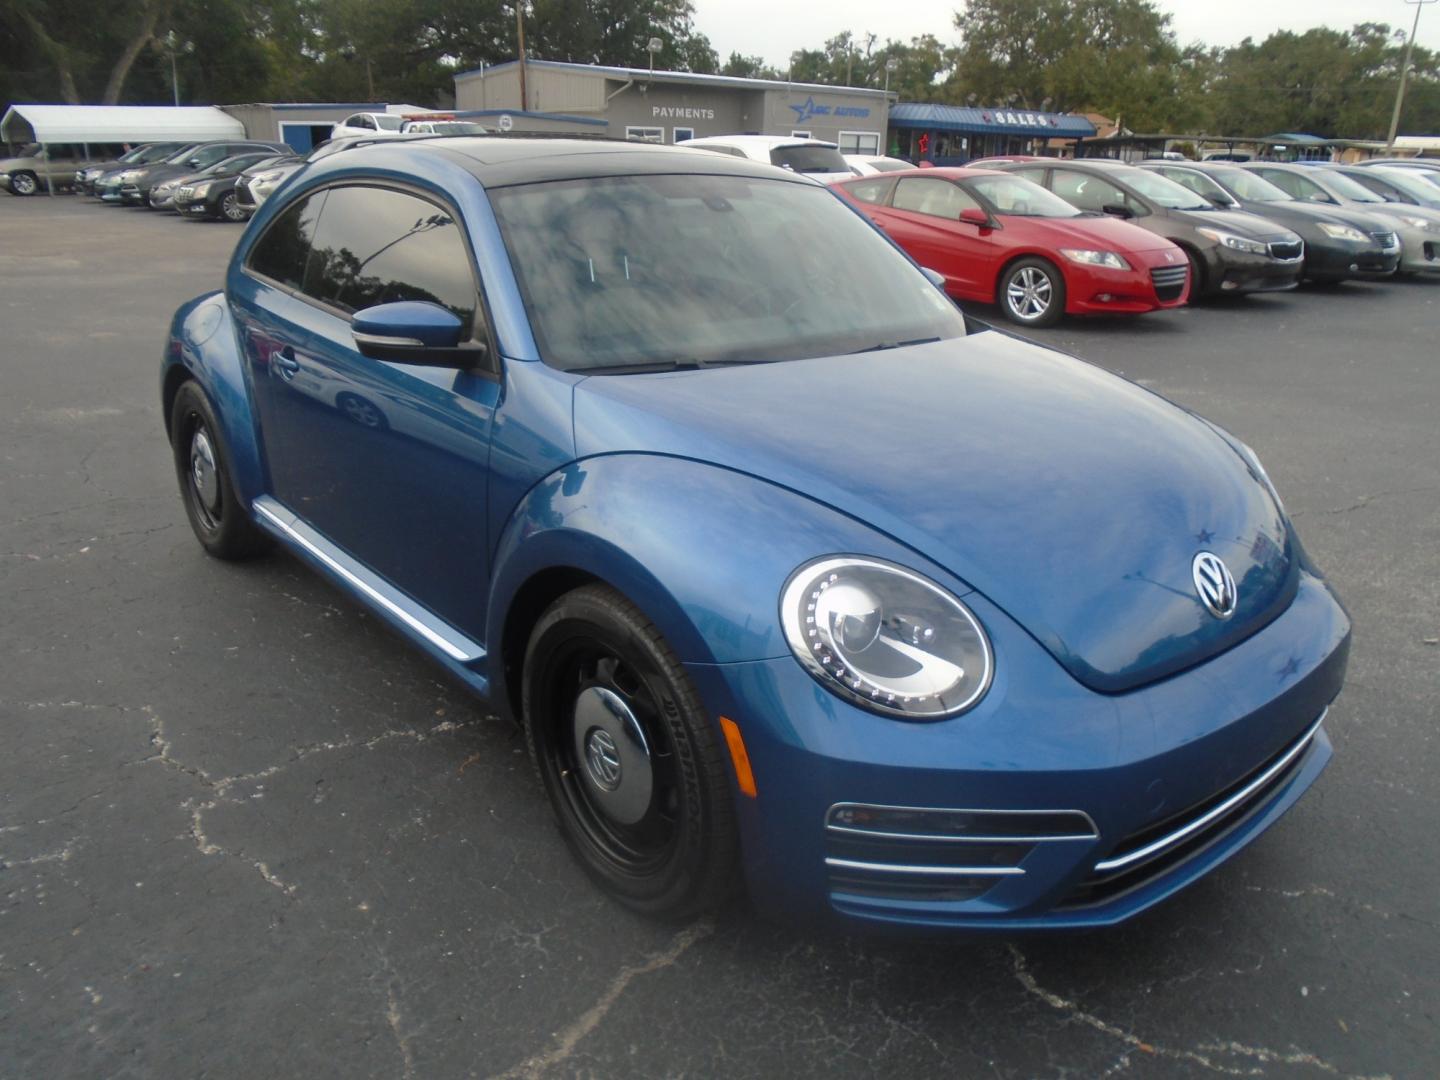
1001	239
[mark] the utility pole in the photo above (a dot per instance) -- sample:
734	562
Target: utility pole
520	50
1404	75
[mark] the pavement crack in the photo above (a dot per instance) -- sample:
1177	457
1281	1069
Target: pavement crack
62	855
396	1019
206	846
1206	1060
568	1039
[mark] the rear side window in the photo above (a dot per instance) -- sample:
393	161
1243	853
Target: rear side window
375	246
281	254
1196	182
1089	192
937	198
1297	187
870	191
809	159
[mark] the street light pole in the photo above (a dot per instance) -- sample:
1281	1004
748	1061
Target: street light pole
1404	75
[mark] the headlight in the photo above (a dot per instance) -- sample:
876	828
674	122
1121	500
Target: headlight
1112	259
1343	232
886	638
1235	243
268	177
1421	223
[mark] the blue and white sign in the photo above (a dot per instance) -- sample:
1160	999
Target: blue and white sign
809	109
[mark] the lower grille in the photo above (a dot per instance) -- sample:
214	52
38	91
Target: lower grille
1150	852
917	853
1288	250
1169	281
1385	239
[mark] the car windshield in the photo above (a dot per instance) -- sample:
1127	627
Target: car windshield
1167	193
1247	185
1414	186
809	159
687	270
457	127
29	150
1021	198
388	123
1340	184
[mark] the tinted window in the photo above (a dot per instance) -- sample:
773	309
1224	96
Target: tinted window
1196	182
1019	197
375	246
389	123
938	198
282	252
809	159
871	191
1088	192
1297	187
1035	176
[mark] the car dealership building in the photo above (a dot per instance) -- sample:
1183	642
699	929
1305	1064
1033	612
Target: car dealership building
672	106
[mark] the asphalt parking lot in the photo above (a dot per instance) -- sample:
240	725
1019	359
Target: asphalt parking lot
244	831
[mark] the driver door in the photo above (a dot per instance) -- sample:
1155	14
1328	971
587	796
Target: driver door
924	219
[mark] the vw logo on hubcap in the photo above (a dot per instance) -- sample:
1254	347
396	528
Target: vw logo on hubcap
1214	584
602	759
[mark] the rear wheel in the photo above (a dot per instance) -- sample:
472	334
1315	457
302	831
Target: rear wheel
24	183
202	465
1032	292
629	760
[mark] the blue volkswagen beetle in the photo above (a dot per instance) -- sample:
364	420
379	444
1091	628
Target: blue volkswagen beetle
790	580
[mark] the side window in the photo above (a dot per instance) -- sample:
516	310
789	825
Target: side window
363	121
870	191
1297	187
1386	191
1188	179
375	246
645	134
1035	176
937	198
282	252
1087	192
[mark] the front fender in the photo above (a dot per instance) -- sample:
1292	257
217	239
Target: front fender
703	551
202	345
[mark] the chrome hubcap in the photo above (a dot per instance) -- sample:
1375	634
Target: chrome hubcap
23	184
1029	293
614	754
231	208
203	473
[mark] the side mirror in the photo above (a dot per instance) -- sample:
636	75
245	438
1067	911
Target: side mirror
974	216
934	277
1224	202
1117	210
414	332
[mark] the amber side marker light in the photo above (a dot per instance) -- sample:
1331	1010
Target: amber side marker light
738	756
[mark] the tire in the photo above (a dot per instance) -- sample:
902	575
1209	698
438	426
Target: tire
24	183
202	466
230	208
361	411
1032	292
605	701
1197	277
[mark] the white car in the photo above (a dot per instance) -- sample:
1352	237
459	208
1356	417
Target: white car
374	124
870	164
443	127
814	158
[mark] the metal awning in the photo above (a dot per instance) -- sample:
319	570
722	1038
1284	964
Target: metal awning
998	121
117	124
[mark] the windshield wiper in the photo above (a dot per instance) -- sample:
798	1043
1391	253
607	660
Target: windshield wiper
882	345
680	363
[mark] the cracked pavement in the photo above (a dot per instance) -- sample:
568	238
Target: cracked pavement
245	831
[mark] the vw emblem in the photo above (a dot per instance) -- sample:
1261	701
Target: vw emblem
1214	584
602	759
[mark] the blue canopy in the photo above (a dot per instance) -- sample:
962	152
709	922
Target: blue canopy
998	121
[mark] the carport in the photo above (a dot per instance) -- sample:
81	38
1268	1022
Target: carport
86	124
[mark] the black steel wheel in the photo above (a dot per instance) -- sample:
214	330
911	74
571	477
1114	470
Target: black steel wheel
202	465
631	764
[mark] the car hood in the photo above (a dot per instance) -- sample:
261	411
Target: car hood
1395	210
1108	233
1237	221
1310	212
1072	499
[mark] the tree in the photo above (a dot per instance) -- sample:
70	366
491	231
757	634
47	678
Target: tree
749	67
87	48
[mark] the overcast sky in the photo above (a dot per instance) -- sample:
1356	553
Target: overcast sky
775	28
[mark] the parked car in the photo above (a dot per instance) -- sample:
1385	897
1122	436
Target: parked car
162	195
145	154
373	124
1395	185
1427	168
870	164
214	193
132	187
1339	243
1229	251
254	186
1417	226
814	158
788	579
441	125
53	165
1000	239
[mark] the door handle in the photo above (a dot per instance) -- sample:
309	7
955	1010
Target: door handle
286	364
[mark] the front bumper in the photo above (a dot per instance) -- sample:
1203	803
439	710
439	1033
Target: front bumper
1155	282
1233	271
1138	766
1340	260
1421	254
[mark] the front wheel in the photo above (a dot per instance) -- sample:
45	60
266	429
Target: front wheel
1032	292
230	208
24	183
628	757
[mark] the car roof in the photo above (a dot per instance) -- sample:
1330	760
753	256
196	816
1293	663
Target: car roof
944	172
502	160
